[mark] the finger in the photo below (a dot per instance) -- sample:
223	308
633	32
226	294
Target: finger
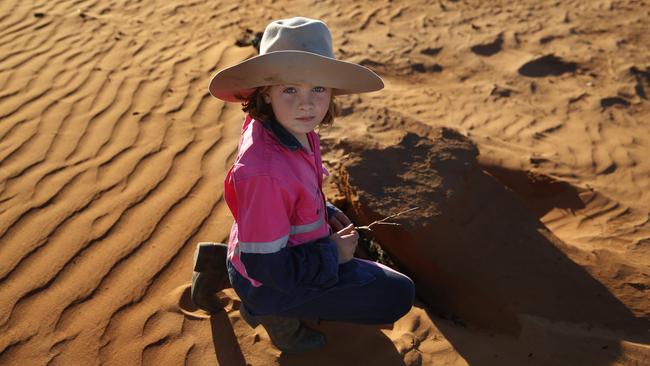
353	233
350	236
346	230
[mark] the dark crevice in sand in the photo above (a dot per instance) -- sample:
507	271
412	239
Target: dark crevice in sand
613	101
549	38
250	38
501	91
14	344
24	25
12	12
7	94
431	51
641	76
6	320
548	65
27	253
490	48
177	68
605	210
148	322
115	159
102	87
369	18
16	155
56	349
151	347
370	63
422	68
9	133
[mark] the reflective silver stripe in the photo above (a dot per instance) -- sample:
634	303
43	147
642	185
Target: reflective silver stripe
277	245
301	229
263	247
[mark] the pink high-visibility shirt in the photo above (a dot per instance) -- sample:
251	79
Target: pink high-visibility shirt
275	195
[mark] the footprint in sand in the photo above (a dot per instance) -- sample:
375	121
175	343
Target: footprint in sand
179	301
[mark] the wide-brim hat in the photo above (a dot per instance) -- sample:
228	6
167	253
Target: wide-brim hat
294	51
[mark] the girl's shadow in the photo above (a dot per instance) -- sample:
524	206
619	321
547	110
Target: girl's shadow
347	344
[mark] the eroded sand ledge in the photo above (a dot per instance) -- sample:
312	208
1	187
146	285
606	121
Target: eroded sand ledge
478	253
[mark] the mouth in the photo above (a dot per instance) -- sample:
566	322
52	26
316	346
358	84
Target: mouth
306	119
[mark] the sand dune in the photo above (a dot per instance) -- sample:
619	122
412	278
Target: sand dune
112	158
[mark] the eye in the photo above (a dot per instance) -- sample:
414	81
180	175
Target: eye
289	90
319	89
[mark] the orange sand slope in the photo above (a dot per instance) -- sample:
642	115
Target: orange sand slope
112	157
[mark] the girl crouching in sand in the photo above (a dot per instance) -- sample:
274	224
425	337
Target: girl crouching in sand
290	255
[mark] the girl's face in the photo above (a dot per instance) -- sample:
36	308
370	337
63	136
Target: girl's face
299	108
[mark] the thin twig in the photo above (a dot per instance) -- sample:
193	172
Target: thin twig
383	221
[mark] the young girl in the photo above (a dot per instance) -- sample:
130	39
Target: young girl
290	255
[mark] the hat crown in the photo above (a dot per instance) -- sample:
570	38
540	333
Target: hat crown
297	34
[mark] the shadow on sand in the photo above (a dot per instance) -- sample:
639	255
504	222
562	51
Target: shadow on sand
480	256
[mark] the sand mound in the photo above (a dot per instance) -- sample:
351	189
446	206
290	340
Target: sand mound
476	248
480	256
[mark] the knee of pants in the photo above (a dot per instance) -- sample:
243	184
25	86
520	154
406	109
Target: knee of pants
409	297
402	299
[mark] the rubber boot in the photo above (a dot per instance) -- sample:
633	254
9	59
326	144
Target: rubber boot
289	335
210	276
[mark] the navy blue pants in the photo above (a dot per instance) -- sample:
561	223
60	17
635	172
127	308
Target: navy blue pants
366	293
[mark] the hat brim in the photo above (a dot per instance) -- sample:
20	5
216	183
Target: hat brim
235	83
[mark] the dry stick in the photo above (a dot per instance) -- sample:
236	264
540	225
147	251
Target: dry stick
383	221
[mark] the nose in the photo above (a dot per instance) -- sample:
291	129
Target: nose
306	101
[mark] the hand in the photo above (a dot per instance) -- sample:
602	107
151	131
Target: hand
339	221
346	242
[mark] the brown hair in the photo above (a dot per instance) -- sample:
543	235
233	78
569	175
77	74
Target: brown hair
257	108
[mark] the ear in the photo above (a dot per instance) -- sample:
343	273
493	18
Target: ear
267	98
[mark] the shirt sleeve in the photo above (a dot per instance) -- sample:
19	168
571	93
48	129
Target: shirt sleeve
264	209
331	209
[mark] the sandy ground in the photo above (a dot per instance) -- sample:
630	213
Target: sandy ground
113	154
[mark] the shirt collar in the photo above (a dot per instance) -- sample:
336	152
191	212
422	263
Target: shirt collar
285	137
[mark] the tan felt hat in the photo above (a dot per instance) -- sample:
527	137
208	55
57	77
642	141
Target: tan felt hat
294	51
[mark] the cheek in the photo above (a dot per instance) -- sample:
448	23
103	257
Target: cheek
281	107
325	105
324	101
